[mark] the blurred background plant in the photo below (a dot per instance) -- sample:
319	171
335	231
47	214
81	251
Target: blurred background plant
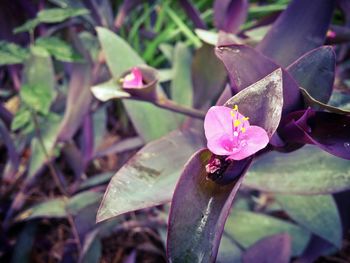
60	146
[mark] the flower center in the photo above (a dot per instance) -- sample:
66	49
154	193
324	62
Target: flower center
239	126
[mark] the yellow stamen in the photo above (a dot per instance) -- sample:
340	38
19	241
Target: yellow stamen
233	114
246	118
235	108
243	129
236	123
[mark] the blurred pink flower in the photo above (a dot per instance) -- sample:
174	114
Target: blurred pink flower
229	133
331	34
133	79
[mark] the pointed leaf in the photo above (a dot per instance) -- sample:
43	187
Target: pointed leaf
315	72
305	171
303	23
246	66
276	248
199	210
248	227
78	101
149	178
109	90
59	49
327	130
317	213
229	15
266	96
145	117
310	101
193	13
208	76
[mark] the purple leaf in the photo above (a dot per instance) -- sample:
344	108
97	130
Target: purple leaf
276	248
193	14
246	66
316	248
208	76
199	210
299	29
315	72
229	15
225	95
329	131
266	98
78	101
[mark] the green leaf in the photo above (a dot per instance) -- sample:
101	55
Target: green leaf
37	91
21	119
181	86
305	171
54	208
11	53
56	15
108	90
59	49
60	207
53	15
145	117
27	26
248	227
209	76
37	98
81	200
38	154
96	180
149	178
317	213
228	251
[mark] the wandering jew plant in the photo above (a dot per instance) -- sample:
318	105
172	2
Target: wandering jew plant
275	102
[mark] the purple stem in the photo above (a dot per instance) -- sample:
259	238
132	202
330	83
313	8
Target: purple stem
87	139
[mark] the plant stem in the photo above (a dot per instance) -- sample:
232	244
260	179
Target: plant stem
171	105
56	179
47	156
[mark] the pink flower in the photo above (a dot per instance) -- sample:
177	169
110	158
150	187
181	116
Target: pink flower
133	79
331	34
229	133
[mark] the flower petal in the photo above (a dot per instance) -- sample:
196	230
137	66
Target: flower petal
221	145
133	79
218	122
256	139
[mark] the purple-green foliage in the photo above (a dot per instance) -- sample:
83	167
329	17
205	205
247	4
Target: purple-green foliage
200	206
284	84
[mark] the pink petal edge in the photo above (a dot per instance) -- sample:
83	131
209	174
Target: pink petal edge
257	139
